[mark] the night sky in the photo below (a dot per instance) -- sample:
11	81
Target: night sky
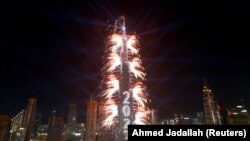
53	51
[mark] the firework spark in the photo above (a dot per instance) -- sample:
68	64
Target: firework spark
113	87
131	44
141	116
138	94
122	50
116	42
134	67
111	112
114	60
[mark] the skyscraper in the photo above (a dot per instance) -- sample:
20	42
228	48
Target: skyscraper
211	108
123	95
37	124
72	113
154	116
55	130
4	125
29	118
16	125
91	120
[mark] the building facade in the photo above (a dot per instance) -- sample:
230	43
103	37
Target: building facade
29	118
4	126
16	126
238	115
91	120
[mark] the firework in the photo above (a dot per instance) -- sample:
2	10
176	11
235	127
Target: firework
123	93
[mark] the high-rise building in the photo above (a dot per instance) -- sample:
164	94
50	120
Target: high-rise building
22	124
37	124
211	108
72	113
74	132
29	118
4	125
200	117
55	129
16	129
91	120
123	94
238	115
42	132
177	120
154	116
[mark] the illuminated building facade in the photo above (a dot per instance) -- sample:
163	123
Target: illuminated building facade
42	132
74	132
57	130
29	118
123	95
91	120
23	123
4	126
65	132
238	115
211	108
16	126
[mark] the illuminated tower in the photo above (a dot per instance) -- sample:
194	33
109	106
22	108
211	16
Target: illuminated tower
91	120
123	96
211	108
72	113
4	125
29	118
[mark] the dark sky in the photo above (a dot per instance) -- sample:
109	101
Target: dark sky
53	51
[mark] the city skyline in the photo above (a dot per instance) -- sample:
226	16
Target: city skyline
53	52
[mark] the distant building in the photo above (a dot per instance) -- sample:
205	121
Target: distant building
4	126
91	120
29	118
74	132
211	108
42	132
55	129
238	115
224	116
182	120
72	113
70	132
177	120
37	124
22	124
154	117
200	118
170	121
16	128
